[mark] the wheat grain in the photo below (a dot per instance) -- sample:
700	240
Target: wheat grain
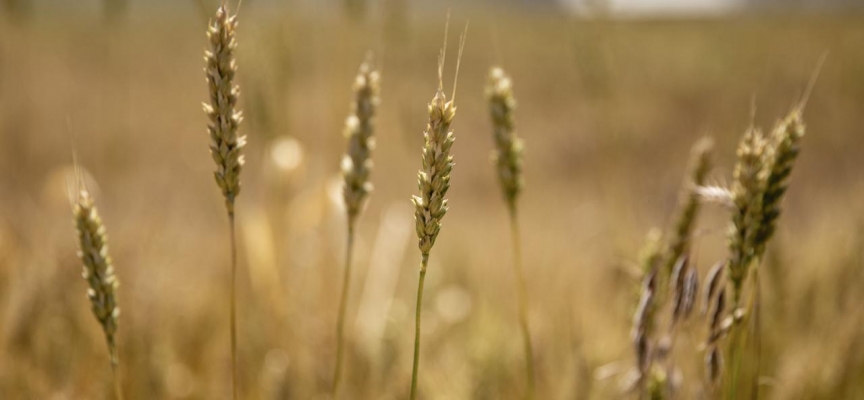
99	274
356	166
783	152
508	163
508	146
433	180
700	165
747	192
226	144
359	130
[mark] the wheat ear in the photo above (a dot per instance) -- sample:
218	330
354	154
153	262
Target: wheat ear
99	274
700	165
226	144
508	163
433	180
747	191
356	166
783	151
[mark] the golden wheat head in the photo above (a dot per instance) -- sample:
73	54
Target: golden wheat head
508	146
98	270
359	129
226	144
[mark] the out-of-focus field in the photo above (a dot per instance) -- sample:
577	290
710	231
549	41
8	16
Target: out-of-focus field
608	110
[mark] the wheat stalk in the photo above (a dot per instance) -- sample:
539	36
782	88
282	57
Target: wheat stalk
433	180
356	166
226	144
99	274
508	163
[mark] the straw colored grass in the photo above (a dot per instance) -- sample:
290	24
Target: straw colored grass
356	167
508	164
99	274
226	144
433	180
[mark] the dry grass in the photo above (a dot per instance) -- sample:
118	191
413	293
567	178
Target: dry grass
226	144
609	108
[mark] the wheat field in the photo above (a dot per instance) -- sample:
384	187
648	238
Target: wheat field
608	110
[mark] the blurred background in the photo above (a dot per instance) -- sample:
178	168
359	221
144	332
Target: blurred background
611	96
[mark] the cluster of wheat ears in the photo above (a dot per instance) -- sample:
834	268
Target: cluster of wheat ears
760	179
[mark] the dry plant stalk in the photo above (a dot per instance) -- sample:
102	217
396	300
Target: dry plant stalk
356	166
433	180
99	274
226	144
508	163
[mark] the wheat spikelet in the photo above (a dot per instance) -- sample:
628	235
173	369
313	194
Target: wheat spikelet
700	165
433	179
783	151
226	144
747	192
508	152
356	166
359	129
508	163
98	270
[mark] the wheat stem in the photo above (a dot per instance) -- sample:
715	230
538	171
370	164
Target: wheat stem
523	301
423	263
233	306
343	304
118	391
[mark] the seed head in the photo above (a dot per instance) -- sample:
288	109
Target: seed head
98	271
747	192
508	147
700	165
433	179
780	158
359	130
226	144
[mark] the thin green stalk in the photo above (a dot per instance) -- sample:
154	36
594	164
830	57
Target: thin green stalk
736	344
117	389
233	306
343	304
523	301
423	263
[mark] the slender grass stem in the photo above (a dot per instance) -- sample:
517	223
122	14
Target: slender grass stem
118	391
523	301
233	306
343	304
424	262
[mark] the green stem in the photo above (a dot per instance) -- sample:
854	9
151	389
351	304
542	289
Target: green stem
423	263
343	304
233	306
118	392
523	301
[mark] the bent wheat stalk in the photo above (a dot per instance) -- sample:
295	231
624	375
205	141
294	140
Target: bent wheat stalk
356	166
508	162
433	180
226	144
99	274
